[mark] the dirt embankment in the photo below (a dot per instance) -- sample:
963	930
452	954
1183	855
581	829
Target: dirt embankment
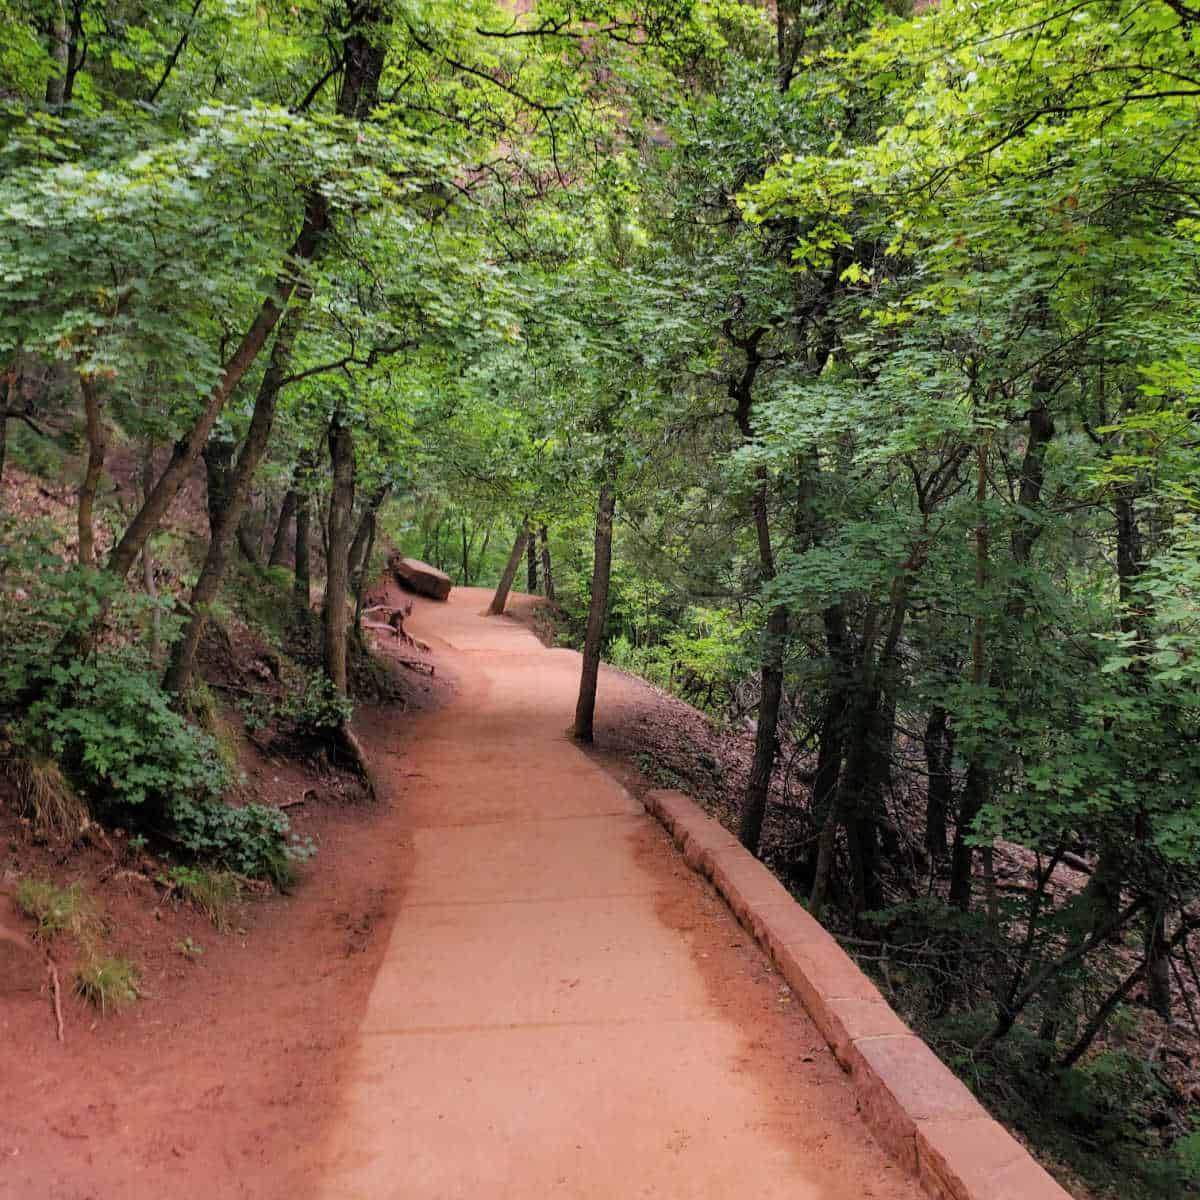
220	1079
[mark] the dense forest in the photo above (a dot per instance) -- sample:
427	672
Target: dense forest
835	367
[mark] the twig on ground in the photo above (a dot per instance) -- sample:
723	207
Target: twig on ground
255	885
57	993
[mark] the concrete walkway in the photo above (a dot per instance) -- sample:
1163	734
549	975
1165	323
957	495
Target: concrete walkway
563	1010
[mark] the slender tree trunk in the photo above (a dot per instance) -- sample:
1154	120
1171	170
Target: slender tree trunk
1158	964
766	734
95	469
218	466
365	531
302	580
976	790
547	574
766	740
148	580
825	785
466	556
977	787
186	453
487	538
361	576
178	677
360	553
585	707
938	757
337	567
500	599
3	444
287	514
531	567
246	539
60	50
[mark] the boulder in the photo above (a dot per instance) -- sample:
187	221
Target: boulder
421	578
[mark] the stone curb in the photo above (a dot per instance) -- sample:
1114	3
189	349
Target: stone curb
918	1110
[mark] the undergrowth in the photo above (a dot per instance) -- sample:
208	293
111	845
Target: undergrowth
214	893
101	728
107	982
103	979
1113	1119
56	909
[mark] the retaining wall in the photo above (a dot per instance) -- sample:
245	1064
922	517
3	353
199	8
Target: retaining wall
921	1113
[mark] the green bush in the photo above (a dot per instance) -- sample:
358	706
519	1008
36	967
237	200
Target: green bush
214	893
106	720
55	909
315	710
251	840
108	982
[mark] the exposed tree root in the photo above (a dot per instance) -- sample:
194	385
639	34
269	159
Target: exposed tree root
358	756
56	992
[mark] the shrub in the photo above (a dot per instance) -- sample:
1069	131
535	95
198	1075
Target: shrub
109	723
207	713
251	840
56	909
316	710
214	893
108	982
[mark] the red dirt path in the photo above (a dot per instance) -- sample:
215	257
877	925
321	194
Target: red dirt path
498	982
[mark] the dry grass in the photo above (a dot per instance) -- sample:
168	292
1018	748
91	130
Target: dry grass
47	799
57	909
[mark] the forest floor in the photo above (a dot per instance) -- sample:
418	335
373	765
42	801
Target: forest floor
425	1004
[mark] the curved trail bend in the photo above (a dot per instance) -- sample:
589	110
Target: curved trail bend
563	1009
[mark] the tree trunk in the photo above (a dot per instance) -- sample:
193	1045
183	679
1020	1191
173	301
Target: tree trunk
585	708
547	574
184	457
218	466
95	469
3	444
1158	964
531	567
977	787
976	790
766	734
500	599
766	741
361	576
939	755
360	553
483	549
246	539
287	514
148	580
364	533
59	48
337	567
466	556
178	677
302	581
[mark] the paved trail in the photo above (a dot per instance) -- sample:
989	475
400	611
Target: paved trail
563	1009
